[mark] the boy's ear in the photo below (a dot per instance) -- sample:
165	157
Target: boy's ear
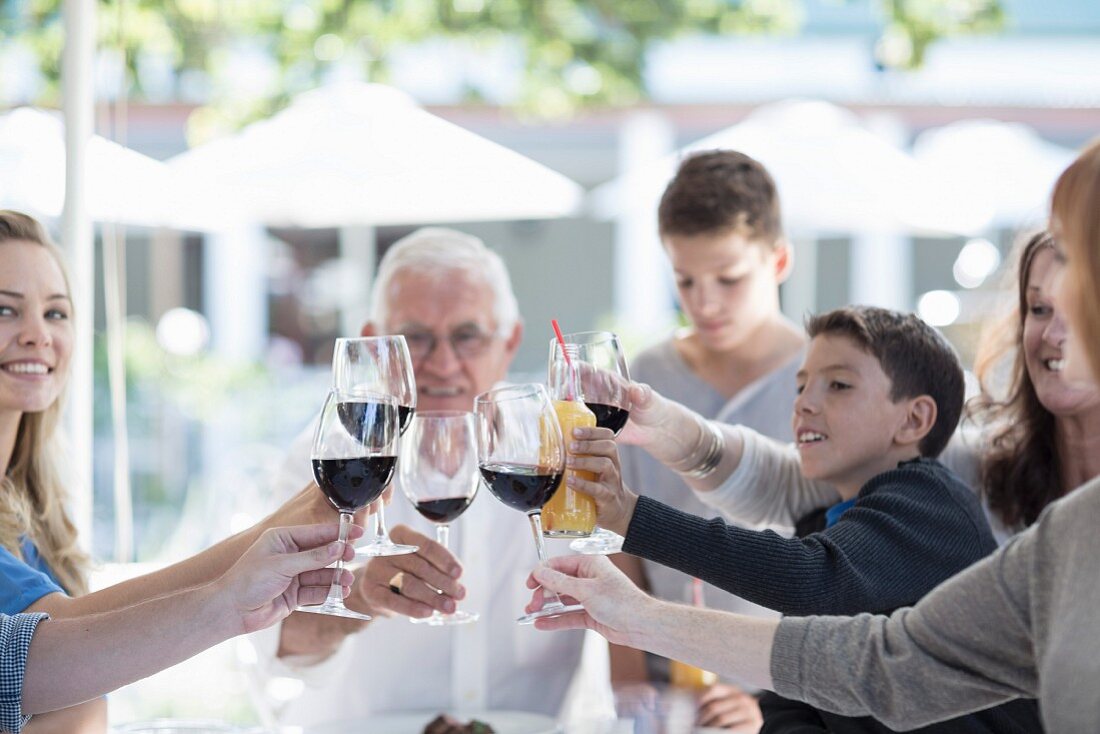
784	260
919	420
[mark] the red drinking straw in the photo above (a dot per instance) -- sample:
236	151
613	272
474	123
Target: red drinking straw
568	361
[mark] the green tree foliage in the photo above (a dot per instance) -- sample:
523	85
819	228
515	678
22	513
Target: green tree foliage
574	53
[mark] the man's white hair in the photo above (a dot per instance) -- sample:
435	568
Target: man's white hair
438	251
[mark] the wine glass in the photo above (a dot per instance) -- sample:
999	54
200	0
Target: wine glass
354	455
521	457
601	376
438	473
378	365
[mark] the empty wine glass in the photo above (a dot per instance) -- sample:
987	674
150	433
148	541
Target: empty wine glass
521	457
438	473
378	365
599	366
354	455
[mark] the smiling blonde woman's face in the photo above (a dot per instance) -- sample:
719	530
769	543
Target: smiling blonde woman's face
36	334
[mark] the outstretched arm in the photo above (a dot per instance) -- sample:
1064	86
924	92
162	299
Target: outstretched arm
73	660
730	644
307	506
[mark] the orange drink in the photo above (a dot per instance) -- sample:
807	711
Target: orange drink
569	513
682	675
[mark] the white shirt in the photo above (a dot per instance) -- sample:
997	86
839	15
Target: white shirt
394	665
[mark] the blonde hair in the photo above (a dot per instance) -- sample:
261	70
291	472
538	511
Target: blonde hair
1075	215
32	494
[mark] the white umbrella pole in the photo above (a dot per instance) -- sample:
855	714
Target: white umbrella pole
77	61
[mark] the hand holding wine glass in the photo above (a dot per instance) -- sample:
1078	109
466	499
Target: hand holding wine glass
354	456
378	365
593	364
439	475
521	457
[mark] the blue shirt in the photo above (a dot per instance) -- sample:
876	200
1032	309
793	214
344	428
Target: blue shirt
23	582
833	513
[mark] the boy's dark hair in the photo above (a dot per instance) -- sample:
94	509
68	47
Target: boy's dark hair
721	190
917	359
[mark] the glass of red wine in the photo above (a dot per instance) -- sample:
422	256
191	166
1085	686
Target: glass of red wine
354	455
603	380
438	473
378	365
521	457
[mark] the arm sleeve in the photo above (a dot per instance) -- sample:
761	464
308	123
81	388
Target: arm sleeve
767	487
16	633
21	585
891	548
965	647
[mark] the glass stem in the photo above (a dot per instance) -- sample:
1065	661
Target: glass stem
549	598
443	535
336	591
380	533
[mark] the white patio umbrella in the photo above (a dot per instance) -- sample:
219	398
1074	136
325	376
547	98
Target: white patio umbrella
123	186
834	175
989	160
365	154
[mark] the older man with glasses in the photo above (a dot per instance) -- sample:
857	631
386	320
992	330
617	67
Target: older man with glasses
452	299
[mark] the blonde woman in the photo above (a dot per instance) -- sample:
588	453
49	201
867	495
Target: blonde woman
41	566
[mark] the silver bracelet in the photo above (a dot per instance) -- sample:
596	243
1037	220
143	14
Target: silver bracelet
712	458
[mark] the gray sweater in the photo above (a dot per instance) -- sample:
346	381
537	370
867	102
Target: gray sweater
1023	622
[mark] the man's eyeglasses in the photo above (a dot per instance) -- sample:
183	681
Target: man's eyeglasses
465	343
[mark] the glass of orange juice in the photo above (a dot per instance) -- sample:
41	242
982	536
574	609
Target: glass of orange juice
569	513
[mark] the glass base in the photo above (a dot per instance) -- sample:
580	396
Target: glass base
550	610
600	543
441	620
566	534
383	548
334	609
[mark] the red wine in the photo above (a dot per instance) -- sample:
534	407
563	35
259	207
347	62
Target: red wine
352	484
520	487
444	510
367	421
609	416
405	415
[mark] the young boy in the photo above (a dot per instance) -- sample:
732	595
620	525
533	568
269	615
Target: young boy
720	225
879	395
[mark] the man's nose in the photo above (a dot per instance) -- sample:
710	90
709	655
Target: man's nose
443	360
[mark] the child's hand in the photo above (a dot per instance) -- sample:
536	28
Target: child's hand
593	450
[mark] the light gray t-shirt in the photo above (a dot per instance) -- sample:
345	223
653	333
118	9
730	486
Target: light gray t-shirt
1020	623
765	405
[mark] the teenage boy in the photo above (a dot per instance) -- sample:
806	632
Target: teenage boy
879	395
720	226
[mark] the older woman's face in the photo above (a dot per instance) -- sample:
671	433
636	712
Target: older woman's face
1078	371
1046	340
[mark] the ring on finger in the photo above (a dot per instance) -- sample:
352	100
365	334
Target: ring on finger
396	582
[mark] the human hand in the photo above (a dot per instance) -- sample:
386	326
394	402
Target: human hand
594	450
725	706
430	570
284	568
613	606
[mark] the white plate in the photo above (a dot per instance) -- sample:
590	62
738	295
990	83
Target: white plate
413	722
